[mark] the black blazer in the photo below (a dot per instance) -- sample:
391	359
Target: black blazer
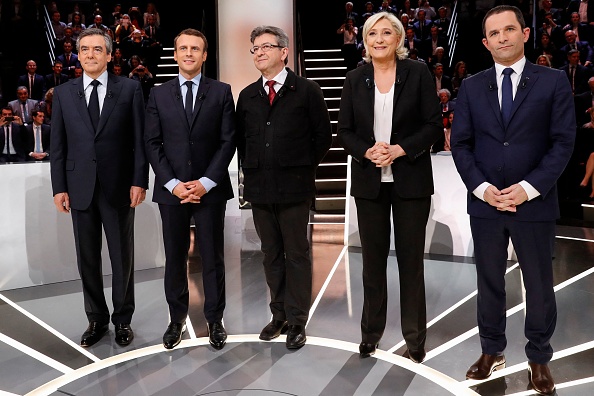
50	80
416	125
38	85
177	150
114	153
280	146
17	140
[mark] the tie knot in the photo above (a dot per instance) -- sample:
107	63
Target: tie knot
508	71
270	83
95	83
189	84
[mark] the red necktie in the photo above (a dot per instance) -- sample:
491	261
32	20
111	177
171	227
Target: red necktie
31	85
271	91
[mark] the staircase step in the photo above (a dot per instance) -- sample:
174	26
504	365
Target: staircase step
330	203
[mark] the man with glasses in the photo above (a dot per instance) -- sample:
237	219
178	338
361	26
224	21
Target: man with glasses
283	132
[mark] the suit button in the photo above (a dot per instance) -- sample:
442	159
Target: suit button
189	162
506	144
268	123
191	142
267	144
499	169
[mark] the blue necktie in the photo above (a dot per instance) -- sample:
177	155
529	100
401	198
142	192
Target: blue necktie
37	139
507	98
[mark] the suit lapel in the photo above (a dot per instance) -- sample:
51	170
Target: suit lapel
176	98
529	78
401	76
490	81
200	96
369	88
78	98
111	98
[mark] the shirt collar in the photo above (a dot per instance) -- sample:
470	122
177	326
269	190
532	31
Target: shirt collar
182	80
518	67
102	79
279	78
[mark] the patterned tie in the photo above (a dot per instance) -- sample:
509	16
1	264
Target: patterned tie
271	91
189	106
507	98
93	106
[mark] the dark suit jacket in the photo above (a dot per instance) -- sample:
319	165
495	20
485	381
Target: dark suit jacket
38	85
446	82
535	146
416	125
426	29
29	140
17	141
50	80
280	146
16	108
70	65
574	6
582	102
114	153
581	77
186	152
583	47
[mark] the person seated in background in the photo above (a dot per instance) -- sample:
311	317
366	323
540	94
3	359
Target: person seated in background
435	40
124	29
144	76
442	22
151	9
348	30
406	24
440	79
414	55
133	63
440	56
554	31
547	47
583	31
589	175
68	36
46	106
33	81
69	59
411	41
23	106
577	74
78	71
386	7
117	70
72	16
446	106
36	137
11	142
408	10
443	144
422	26
118	59
369	8
77	24
57	25
136	44
544	60
135	17
429	11
98	23
460	73
57	77
582	47
583	103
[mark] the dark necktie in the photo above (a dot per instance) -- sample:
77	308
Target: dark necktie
31	79
507	98
93	106
572	77
189	101
271	91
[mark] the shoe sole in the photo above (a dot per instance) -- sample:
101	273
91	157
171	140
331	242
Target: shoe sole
296	346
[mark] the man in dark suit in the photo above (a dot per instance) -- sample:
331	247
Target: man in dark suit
33	81
11	141
100	174
283	132
36	138
411	41
577	74
57	77
510	153
190	127
441	81
583	47
69	59
422	26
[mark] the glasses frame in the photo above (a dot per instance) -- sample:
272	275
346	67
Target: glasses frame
262	47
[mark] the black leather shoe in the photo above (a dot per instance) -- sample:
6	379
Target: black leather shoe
484	366
366	350
93	333
273	329
123	334
217	335
415	356
541	378
173	334
296	336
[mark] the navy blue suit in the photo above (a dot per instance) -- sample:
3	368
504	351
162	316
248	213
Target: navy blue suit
186	151
534	146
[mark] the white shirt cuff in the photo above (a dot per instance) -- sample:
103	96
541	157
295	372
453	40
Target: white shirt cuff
479	192
531	191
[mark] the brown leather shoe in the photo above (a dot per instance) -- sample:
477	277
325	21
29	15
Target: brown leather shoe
541	378
484	366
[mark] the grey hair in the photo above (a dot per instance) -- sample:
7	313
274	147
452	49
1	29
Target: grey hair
281	36
96	32
445	91
401	51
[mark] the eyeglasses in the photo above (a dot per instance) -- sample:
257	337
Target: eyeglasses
264	47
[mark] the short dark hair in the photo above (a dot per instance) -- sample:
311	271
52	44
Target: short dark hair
503	8
191	32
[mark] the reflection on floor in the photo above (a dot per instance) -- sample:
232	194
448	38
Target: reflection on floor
41	327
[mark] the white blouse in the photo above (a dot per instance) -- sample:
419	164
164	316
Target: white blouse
382	123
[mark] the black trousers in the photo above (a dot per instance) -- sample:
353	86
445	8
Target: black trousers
209	219
410	220
282	229
533	243
118	224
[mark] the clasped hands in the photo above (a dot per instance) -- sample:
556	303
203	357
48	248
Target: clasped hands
189	192
507	199
382	154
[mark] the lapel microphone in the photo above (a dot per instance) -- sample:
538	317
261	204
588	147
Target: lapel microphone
369	83
202	96
281	91
397	79
261	93
80	95
109	94
525	82
491	86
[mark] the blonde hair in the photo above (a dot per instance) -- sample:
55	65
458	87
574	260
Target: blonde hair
401	52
